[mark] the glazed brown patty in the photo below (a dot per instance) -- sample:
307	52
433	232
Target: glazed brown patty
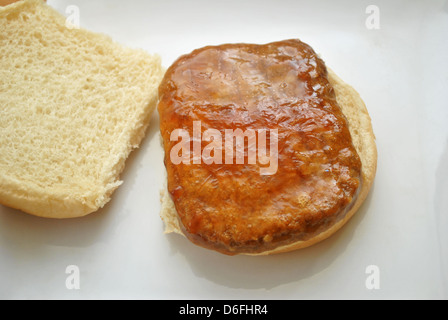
281	86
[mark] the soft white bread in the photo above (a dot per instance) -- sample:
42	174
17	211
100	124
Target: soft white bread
73	105
360	127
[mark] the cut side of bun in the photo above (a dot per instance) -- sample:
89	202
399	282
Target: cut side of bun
363	138
73	105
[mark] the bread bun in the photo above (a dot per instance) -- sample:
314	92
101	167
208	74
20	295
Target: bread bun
360	127
73	105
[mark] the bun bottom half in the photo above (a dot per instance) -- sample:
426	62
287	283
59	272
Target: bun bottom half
361	130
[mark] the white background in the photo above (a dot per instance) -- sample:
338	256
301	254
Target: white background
401	72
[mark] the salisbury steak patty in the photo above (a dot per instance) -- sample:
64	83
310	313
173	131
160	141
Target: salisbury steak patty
278	87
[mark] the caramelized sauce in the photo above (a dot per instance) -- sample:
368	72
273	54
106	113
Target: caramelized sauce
232	208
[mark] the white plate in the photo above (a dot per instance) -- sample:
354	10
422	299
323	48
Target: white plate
400	70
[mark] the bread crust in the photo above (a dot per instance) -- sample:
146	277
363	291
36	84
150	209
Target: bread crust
361	130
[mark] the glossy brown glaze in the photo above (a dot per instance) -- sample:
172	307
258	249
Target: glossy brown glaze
232	208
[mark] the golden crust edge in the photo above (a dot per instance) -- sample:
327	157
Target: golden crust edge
360	126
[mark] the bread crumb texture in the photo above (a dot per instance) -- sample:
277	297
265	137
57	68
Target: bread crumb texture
73	105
